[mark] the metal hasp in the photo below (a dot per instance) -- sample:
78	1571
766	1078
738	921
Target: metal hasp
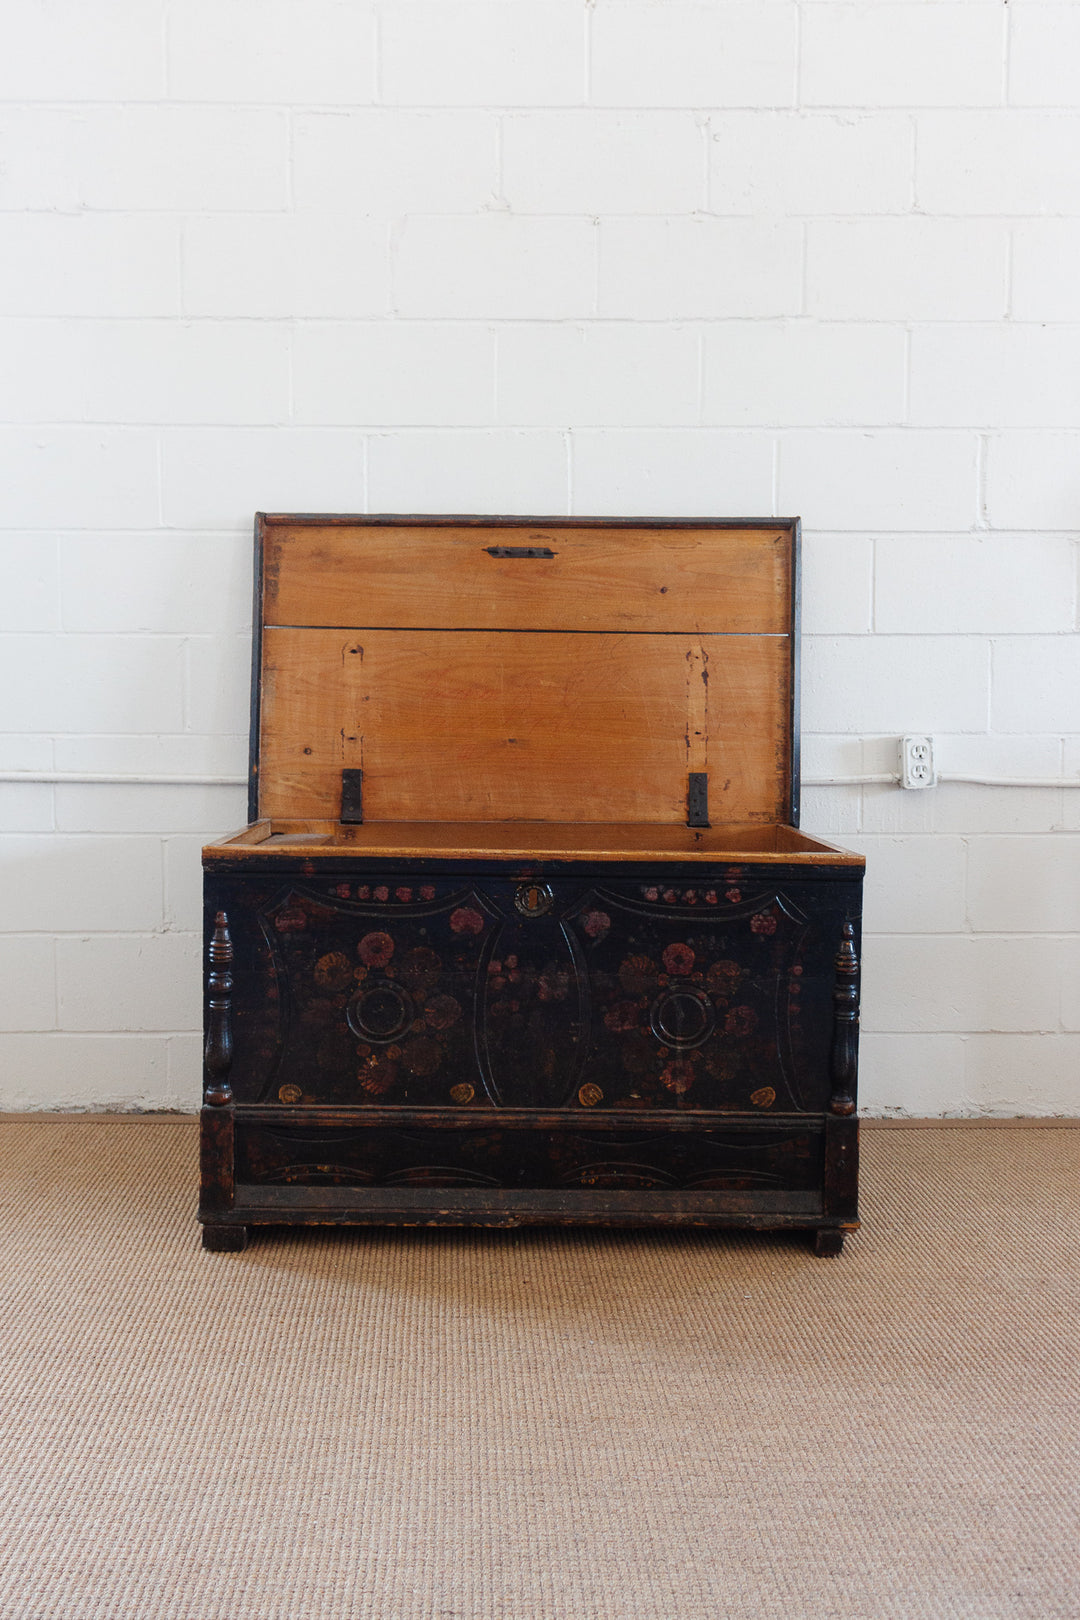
352	797
697	799
519	551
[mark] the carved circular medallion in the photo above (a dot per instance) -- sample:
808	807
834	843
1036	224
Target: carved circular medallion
534	899
682	1017
381	1013
590	1095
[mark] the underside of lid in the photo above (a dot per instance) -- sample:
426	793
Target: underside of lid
503	669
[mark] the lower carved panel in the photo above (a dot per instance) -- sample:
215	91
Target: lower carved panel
401	1156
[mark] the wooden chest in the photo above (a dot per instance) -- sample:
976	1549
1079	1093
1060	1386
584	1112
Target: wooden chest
522	928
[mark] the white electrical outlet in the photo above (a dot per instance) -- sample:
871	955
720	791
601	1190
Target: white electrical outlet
917	762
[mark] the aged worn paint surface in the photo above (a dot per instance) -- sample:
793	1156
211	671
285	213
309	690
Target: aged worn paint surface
626	995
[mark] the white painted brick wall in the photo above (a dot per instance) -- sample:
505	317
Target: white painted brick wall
656	256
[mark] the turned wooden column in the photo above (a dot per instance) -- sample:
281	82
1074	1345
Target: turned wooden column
217	1057
843	1059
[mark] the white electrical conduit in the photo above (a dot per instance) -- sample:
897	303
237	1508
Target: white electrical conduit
102	779
124	781
947	776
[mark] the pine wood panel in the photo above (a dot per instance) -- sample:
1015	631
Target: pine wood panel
529	841
483	726
649	579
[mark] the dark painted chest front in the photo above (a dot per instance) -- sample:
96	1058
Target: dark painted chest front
522	929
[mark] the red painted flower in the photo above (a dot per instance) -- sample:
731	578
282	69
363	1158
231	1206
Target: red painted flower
710	897
678	1076
763	922
466	920
652	894
419	969
342	891
382	892
427	891
442	1011
670	897
596	924
722	978
679	959
403	895
734	895
740	1021
636	975
364	892
376	949
622	1016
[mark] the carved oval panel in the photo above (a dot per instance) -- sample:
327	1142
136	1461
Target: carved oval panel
379	985
532	1013
693	992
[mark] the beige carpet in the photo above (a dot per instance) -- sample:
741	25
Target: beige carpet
568	1426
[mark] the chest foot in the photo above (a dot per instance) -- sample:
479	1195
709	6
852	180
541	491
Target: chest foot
221	1239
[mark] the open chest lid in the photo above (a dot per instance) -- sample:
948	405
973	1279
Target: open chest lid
462	669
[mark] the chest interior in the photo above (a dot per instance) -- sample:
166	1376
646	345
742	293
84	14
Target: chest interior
512	687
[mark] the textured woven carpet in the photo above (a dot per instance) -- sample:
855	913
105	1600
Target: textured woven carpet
566	1426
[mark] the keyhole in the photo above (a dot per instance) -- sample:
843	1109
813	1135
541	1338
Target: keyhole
533	899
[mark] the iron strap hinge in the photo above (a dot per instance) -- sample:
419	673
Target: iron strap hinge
352	797
697	799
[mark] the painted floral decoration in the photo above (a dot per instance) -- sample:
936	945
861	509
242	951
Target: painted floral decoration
419	969
333	971
722	978
740	1021
375	949
441	1011
678	1076
622	1016
637	975
679	959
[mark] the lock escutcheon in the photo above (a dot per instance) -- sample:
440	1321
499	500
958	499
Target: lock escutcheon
534	899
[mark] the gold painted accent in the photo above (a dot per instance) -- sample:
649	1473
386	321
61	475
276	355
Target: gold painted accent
763	1098
590	1095
290	1094
463	1093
